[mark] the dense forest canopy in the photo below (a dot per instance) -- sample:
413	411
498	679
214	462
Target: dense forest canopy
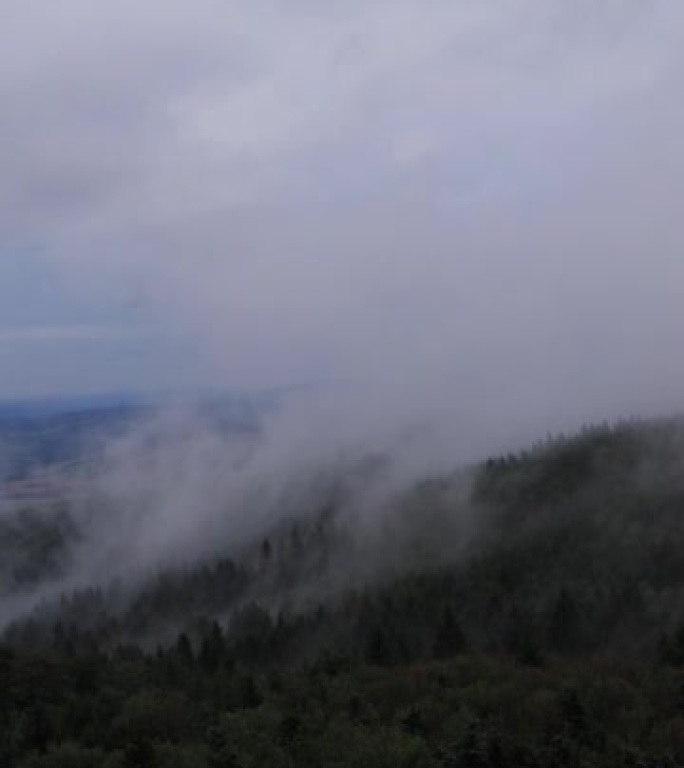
523	611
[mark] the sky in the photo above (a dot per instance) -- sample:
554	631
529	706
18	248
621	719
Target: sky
470	203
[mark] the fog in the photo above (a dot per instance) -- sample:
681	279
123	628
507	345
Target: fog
452	228
474	205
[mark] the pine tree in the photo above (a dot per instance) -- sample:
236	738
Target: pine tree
449	638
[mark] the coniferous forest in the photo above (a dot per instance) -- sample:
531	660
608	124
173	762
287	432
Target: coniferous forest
527	611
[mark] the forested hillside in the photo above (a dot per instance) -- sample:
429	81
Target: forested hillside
528	611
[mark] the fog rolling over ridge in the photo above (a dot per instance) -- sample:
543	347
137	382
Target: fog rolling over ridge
177	489
447	229
341	383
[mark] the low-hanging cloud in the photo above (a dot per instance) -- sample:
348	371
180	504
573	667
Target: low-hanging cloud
465	211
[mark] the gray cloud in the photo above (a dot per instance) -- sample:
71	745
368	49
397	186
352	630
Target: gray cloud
462	209
50	333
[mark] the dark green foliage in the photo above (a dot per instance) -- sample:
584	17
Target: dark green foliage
449	637
184	651
468	711
555	639
564	623
213	653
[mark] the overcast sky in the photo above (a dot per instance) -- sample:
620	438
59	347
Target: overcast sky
466	201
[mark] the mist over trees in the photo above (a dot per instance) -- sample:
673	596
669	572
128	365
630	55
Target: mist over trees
419	236
526	610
